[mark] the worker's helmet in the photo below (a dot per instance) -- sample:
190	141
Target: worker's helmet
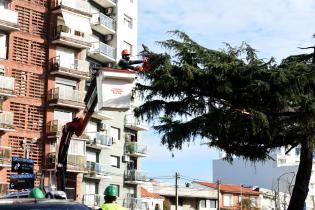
111	190
37	193
125	52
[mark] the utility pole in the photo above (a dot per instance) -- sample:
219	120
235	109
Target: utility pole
176	189
218	187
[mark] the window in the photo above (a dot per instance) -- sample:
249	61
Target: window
203	204
115	133
91	156
128	21
213	204
77	147
3	46
227	200
128	46
114	161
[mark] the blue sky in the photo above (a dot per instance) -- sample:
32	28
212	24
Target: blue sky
275	28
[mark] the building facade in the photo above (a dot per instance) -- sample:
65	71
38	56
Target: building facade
47	51
234	196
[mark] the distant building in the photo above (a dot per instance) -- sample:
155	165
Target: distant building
234	196
189	197
276	174
150	200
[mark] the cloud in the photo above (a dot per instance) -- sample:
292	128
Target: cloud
273	27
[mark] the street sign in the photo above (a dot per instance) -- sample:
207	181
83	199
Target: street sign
22	165
22	181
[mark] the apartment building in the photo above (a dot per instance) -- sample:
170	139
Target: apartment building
48	48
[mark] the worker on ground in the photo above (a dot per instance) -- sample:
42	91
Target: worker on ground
126	63
110	196
36	193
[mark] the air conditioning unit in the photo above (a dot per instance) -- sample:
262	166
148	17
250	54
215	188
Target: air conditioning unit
109	11
108	37
125	158
104	127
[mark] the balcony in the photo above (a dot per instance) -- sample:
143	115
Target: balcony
6	121
7	86
102	115
67	98
101	141
135	203
8	20
93	201
75	69
54	129
71	37
106	3
5	156
97	170
3	53
76	163
103	24
102	52
134	124
136	150
78	6
135	177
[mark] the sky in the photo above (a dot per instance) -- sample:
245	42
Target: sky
275	28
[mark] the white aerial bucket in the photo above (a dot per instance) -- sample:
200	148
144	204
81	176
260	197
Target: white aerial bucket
114	89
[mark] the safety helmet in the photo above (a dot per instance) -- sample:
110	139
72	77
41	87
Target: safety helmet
125	52
111	190
37	193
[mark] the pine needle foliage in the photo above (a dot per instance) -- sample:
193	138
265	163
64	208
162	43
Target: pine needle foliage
244	105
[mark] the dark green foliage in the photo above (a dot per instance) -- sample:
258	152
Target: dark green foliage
243	105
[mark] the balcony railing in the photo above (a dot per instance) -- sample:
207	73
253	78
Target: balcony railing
3	53
77	5
67	95
97	169
75	68
133	148
8	19
68	36
101	19
100	51
134	203
133	176
55	126
7	85
6	121
93	200
5	156
102	140
76	162
134	124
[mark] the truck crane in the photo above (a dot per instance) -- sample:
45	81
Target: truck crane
77	127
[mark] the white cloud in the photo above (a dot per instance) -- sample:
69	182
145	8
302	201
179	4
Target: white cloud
273	27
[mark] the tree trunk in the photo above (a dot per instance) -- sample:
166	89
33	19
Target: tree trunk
303	176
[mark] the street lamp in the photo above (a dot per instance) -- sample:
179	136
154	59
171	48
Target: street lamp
277	203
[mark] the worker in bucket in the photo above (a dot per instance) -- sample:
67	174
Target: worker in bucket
126	63
110	196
